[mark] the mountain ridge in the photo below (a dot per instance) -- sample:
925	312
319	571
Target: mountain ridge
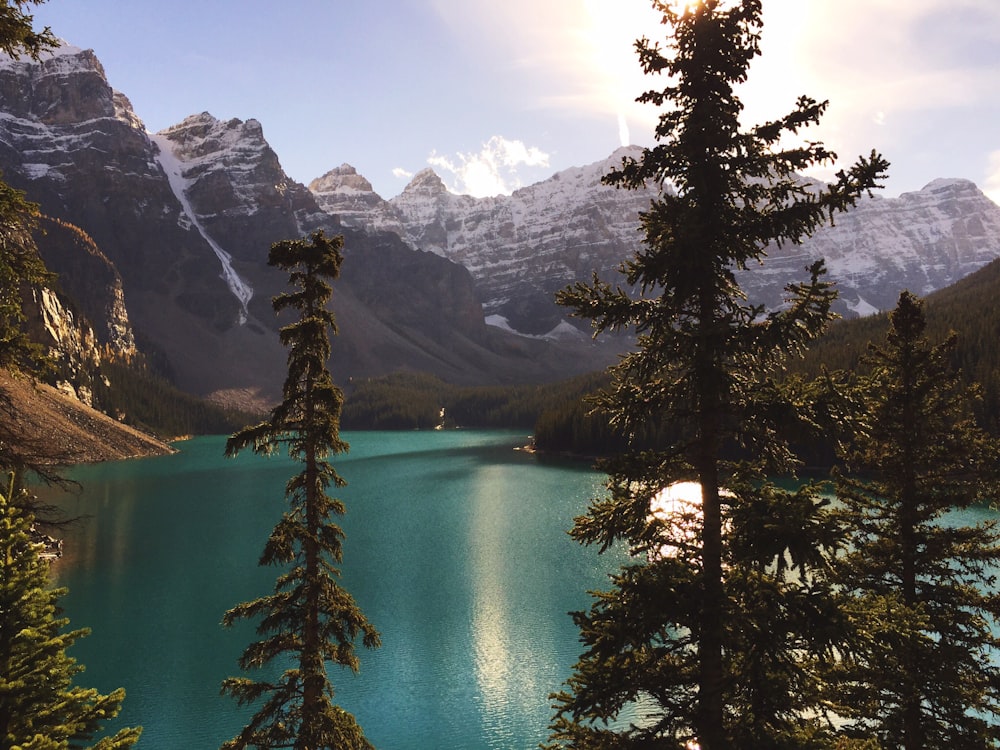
186	218
458	286
523	247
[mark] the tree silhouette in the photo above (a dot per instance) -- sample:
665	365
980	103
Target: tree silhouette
925	583
717	643
309	619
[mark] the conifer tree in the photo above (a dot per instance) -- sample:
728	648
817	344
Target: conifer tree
20	263
40	707
18	35
309	620
712	635
925	583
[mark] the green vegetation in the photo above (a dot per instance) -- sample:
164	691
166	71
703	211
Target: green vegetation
718	628
923	586
414	401
967	308
40	707
132	392
309	620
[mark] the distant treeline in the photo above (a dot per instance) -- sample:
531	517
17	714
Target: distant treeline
970	308
414	401
134	394
558	413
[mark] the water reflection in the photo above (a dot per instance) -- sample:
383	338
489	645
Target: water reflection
456	550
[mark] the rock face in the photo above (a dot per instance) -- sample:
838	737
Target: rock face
163	239
921	241
522	248
184	220
70	341
76	148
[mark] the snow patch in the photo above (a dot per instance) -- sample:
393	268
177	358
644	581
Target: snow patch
561	332
173	168
37	171
863	308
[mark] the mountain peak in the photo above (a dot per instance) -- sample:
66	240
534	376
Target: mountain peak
950	184
343	179
426	182
65	49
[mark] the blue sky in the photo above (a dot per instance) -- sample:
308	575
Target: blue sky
495	95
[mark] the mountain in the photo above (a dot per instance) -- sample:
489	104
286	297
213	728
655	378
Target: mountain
160	242
184	219
523	247
921	241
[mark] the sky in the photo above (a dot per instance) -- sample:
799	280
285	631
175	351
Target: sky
498	95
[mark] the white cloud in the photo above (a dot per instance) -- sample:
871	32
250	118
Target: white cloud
992	184
494	170
402	174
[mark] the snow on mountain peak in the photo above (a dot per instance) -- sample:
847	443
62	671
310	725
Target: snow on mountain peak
522	247
343	179
427	182
65	49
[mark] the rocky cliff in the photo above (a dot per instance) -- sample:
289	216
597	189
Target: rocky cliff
522	248
163	239
184	220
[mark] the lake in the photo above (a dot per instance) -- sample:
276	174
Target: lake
456	551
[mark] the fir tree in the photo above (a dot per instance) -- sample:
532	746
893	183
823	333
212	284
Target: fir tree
20	263
925	584
18	35
40	708
713	635
20	266
310	619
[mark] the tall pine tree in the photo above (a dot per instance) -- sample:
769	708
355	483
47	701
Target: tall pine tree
712	634
925	583
40	707
309	620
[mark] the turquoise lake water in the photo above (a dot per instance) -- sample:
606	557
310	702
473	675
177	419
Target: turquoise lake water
456	551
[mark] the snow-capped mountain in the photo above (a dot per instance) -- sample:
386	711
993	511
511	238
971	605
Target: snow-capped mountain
522	248
921	241
184	220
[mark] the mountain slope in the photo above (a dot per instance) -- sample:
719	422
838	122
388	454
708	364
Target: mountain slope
523	247
185	218
55	429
